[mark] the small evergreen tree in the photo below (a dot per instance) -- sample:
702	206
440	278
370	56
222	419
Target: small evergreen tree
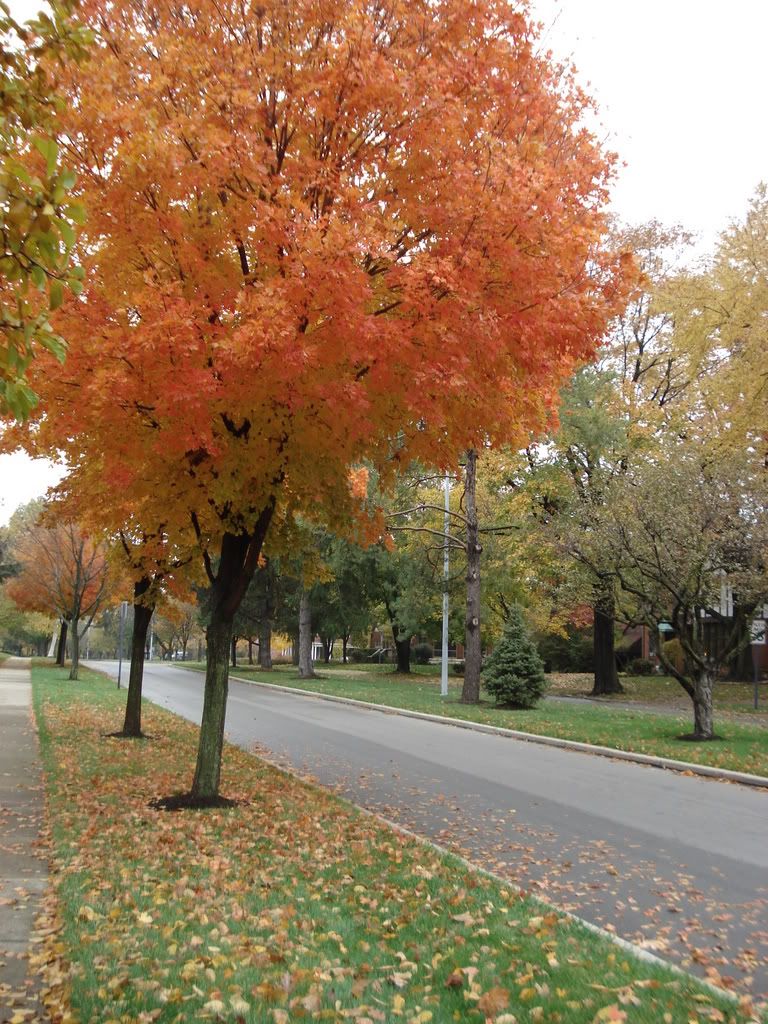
514	672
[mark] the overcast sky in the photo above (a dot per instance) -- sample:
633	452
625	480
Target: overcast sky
681	90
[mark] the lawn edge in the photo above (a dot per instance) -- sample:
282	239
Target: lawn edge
655	761
629	947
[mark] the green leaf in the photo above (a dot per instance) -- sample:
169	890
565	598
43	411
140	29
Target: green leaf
76	212
48	149
19	398
67	178
55	345
56	294
67	233
38	276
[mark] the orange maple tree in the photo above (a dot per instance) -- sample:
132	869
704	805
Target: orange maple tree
63	573
322	234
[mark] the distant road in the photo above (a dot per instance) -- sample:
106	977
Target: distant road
678	864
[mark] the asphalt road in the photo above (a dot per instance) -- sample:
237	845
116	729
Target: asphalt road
676	864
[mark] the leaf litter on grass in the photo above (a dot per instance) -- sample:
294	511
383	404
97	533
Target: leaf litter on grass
291	906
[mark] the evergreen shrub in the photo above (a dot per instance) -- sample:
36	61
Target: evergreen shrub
514	672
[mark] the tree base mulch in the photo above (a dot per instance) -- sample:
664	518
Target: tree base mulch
189	802
127	736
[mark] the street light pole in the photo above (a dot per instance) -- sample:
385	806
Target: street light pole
446	562
123	610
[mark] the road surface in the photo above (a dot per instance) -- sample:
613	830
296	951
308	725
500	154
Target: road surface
676	864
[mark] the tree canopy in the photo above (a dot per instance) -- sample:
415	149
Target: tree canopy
320	236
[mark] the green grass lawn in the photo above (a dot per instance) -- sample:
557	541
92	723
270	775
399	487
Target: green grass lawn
742	747
291	906
666	692
661	690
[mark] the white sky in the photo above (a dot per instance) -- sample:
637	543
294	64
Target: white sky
681	90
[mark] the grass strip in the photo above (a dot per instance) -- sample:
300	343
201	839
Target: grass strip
292	905
741	748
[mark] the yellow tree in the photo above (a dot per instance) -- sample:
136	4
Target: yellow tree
720	323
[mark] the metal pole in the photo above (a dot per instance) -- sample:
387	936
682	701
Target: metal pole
756	675
123	606
446	562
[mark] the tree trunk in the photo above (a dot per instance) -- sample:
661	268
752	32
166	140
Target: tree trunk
702	706
470	691
295	649
75	635
142	616
328	642
265	644
239	558
250	650
205	787
344	645
403	652
305	638
61	649
606	676
234	651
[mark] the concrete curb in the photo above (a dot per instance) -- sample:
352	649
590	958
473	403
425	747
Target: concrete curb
637	951
723	774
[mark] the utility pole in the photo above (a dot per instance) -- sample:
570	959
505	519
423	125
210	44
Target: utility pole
446	565
123	610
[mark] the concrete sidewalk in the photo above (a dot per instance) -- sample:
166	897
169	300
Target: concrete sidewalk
23	871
